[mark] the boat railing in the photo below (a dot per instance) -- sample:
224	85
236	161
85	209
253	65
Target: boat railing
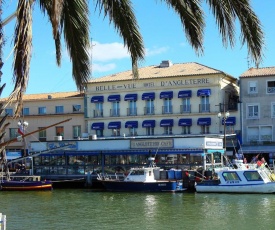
105	176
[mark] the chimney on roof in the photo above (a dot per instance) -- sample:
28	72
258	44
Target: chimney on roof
165	64
49	96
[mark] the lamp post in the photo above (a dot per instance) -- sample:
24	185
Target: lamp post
224	117
21	130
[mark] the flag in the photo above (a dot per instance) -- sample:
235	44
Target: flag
20	130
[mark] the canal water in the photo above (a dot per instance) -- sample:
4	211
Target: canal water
85	209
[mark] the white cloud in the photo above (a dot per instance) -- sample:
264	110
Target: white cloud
103	67
108	51
156	50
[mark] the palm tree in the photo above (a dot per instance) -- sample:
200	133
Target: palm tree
71	18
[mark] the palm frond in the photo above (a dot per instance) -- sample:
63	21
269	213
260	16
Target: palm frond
120	13
192	19
225	19
75	25
49	7
22	52
251	29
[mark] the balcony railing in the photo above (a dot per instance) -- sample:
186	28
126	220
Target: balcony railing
131	111
98	113
167	109
114	112
149	110
185	109
204	108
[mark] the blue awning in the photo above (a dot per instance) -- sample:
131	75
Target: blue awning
166	122
185	93
114	98
204	92
114	125
166	94
149	123
204	121
97	126
97	99
148	96
130	97
229	121
185	122
131	124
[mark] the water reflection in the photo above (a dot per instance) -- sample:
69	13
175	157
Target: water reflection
78	209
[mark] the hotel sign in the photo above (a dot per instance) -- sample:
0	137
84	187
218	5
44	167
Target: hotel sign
152	144
199	81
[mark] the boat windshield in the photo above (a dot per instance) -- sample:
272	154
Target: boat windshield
230	176
252	175
137	172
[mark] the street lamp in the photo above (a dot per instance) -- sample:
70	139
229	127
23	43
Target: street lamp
224	118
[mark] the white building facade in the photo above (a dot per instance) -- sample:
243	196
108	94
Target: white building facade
257	86
167	99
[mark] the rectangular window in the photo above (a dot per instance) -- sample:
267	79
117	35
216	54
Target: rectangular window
42	110
253	111
76	131
115	132
132	111
59	131
186	107
229	176
149	109
205	129
186	130
150	131
133	131
253	176
13	133
204	106
59	109
98	112
167	108
99	132
26	111
168	130
9	111
42	135
273	109
271	87
115	109
252	87
76	108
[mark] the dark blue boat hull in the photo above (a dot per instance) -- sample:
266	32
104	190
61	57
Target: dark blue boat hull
25	185
130	186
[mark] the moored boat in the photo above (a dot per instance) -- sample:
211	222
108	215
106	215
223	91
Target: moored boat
239	178
145	179
25	183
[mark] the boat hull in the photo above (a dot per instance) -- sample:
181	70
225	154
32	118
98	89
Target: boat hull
133	186
25	185
248	188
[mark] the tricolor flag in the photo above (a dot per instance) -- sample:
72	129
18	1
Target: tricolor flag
20	130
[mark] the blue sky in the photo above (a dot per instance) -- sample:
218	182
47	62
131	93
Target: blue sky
163	36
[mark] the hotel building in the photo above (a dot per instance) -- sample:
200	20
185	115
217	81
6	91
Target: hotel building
167	99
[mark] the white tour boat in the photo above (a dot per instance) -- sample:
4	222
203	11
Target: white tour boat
239	178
